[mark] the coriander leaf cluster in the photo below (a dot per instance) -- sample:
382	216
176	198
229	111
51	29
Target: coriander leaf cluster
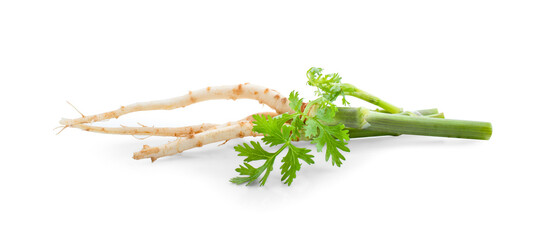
281	131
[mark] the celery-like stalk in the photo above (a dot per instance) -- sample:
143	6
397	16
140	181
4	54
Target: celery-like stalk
362	122
351	90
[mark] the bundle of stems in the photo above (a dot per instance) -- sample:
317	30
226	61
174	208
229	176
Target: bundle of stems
362	122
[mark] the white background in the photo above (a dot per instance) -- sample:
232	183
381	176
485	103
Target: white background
476	60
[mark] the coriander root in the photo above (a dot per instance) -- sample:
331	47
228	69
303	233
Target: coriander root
162	131
223	132
241	129
241	91
148	131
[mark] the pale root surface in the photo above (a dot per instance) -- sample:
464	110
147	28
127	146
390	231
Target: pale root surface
263	95
148	131
163	131
242	129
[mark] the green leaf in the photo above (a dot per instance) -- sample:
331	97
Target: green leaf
275	131
297	124
328	85
295	101
333	137
270	128
254	153
290	162
285	128
326	114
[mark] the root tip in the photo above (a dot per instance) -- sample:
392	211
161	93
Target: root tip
64	127
76	109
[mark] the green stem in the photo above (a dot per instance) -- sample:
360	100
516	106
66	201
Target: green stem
361	133
375	124
351	90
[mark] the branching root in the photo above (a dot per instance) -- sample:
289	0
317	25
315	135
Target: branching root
190	136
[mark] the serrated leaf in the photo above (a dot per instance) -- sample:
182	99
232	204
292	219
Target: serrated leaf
254	153
297	125
285	128
291	164
270	128
328	85
326	114
333	137
295	101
